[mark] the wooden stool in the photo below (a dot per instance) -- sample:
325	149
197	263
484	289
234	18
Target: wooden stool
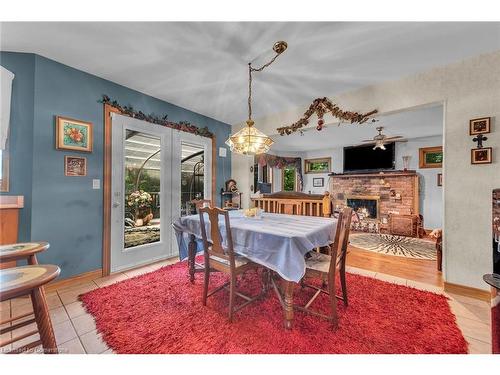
20	281
18	251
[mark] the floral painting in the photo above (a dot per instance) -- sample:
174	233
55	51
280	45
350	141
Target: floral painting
73	134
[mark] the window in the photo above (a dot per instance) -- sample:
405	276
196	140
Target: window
4	169
289	179
263	176
322	165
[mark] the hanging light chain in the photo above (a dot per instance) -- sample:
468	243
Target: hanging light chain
249	140
279	48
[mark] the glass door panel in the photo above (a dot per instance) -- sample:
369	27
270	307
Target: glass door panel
142	184
191	173
192	176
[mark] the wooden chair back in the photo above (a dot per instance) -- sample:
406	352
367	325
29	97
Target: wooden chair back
347	214
339	249
215	247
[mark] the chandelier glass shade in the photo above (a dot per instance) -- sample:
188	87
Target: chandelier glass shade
250	140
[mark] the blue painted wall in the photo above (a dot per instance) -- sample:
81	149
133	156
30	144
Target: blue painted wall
66	211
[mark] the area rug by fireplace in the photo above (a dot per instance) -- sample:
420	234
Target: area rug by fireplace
394	245
161	312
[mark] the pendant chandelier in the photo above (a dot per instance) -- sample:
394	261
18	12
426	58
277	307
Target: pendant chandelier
250	140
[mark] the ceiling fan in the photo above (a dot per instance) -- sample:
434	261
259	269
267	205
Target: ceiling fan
380	140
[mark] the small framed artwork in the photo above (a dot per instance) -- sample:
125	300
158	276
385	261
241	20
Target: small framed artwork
481	155
480	125
440	179
321	165
318	182
73	134
431	157
75	166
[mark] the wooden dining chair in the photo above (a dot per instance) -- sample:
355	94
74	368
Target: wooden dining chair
193	266
223	259
326	267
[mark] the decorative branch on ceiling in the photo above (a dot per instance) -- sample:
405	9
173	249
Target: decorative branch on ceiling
320	107
152	118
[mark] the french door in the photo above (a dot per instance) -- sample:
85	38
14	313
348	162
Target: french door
140	193
156	172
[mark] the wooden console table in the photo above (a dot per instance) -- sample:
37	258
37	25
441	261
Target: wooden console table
9	221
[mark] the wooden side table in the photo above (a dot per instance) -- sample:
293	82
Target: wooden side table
18	251
29	280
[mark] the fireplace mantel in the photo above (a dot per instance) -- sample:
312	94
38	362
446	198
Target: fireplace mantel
374	174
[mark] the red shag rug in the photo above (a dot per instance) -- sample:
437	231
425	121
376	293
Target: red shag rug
161	312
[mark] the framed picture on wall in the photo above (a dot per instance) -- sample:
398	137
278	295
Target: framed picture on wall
481	155
318	182
480	126
75	166
73	134
431	157
320	165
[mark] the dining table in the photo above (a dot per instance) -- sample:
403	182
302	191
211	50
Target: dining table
278	242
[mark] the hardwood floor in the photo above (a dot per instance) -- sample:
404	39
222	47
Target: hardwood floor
424	271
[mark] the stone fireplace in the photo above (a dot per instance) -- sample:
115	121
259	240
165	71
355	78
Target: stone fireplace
382	194
368	205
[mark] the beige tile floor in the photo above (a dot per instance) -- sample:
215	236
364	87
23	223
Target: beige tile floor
76	332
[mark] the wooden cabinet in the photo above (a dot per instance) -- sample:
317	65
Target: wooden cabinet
9	221
406	225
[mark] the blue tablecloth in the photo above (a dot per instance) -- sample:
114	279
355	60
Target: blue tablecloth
276	241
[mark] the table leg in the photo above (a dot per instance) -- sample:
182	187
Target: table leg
43	321
288	303
191	256
32	260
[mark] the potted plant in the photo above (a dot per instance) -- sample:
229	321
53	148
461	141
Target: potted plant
140	202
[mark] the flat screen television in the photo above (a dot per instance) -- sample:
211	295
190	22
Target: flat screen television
365	159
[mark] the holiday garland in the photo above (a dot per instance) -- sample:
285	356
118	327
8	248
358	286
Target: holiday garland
152	118
320	107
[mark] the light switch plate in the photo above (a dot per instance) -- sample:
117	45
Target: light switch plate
222	152
96	184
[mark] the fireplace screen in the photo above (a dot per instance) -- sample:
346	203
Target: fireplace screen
367	207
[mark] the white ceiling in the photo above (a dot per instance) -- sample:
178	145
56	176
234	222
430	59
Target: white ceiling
415	123
203	66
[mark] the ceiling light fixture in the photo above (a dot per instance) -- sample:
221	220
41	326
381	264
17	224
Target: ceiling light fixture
250	140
